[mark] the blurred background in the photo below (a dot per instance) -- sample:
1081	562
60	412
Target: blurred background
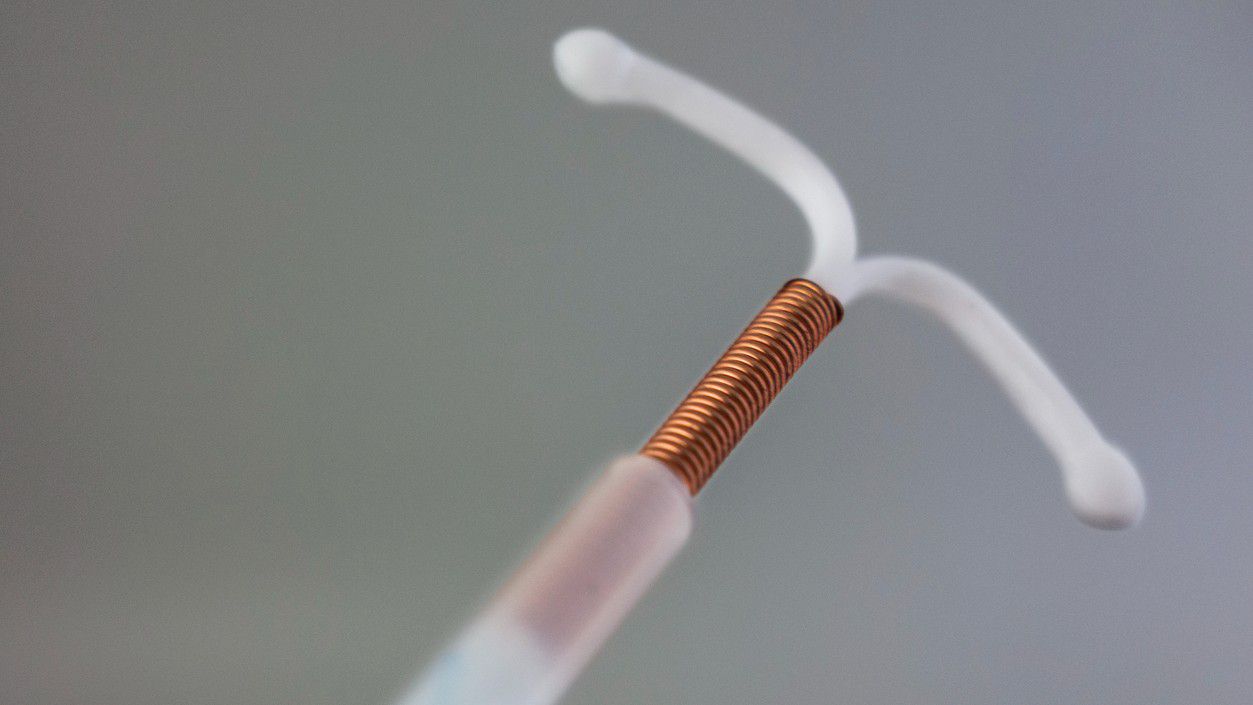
313	316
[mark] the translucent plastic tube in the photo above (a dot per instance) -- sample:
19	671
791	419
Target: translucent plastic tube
571	594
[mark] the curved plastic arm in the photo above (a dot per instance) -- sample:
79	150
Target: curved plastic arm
1103	486
600	68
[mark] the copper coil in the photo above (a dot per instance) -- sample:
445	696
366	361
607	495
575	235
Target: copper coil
701	432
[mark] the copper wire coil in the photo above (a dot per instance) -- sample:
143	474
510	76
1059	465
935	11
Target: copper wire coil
701	432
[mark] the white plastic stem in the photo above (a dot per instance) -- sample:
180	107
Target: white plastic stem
552	616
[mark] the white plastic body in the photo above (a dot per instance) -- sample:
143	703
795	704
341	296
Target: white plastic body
1101	482
552	616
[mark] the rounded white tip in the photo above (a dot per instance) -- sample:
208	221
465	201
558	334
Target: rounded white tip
1104	489
593	64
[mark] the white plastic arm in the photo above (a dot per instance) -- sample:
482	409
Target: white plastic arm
600	68
1102	485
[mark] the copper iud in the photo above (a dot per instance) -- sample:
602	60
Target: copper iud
535	636
701	432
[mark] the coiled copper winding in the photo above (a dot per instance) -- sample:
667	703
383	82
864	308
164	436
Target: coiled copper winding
701	432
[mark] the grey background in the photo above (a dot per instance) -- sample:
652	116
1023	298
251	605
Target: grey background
313	316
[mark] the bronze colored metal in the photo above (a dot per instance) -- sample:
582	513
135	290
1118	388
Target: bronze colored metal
701	432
